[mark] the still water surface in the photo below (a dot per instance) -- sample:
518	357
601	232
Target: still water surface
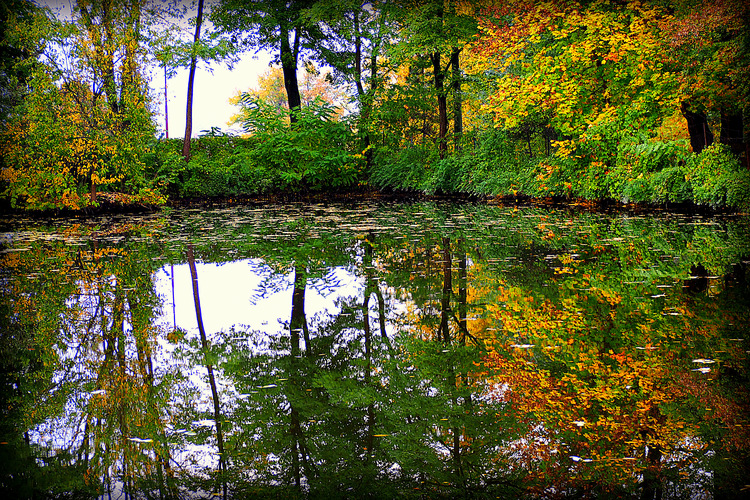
374	350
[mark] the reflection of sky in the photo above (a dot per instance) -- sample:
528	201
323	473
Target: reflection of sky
238	293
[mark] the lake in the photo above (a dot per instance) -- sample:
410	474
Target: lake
375	350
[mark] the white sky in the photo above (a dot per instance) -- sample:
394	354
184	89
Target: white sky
211	93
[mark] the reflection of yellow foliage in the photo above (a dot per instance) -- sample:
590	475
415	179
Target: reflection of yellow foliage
600	386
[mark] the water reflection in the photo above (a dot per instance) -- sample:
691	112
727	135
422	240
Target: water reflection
353	351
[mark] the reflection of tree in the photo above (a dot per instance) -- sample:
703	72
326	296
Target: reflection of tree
440	367
597	370
354	411
595	389
96	398
25	371
210	369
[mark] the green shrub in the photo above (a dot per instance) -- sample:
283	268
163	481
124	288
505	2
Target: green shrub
316	153
405	170
448	175
647	171
718	179
494	166
671	185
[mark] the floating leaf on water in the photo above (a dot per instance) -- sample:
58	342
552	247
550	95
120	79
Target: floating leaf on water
203	423
139	440
24	249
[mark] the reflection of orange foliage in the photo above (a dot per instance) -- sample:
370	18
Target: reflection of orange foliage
719	409
603	409
596	385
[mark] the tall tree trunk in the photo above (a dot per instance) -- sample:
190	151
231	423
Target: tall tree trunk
130	66
209	369
294	338
104	61
370	286
166	104
462	295
298	323
297	326
358	57
445	302
101	39
289	53
652	488
363	98
458	115
439	80
369	440
452	379
700	133
191	83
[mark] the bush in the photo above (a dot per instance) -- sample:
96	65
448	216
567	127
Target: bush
316	153
494	166
671	185
718	179
406	169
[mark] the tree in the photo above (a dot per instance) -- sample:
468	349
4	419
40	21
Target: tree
191	81
14	55
277	26
85	122
205	348
438	30
709	43
316	86
354	41
173	47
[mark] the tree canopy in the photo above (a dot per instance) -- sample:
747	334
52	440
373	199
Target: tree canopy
642	101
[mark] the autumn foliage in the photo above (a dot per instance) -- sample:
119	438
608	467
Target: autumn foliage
86	124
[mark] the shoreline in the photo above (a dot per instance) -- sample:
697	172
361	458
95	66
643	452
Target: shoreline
107	207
